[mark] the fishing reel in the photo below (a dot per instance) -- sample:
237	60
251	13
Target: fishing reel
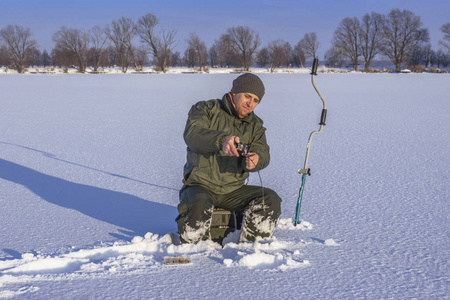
242	148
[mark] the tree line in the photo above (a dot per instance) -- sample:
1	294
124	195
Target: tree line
398	36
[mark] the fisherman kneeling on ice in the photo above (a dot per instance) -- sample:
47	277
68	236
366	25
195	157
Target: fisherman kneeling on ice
217	166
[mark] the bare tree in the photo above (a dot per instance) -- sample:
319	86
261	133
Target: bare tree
370	37
141	57
298	56
111	56
198	49
99	41
427	54
278	54
161	45
189	58
73	41
244	42
441	58
4	60
402	34
19	45
33	58
213	56
420	58
346	38
121	33
225	56
290	53
309	44
45	59
446	42
62	58
263	57
175	59
334	57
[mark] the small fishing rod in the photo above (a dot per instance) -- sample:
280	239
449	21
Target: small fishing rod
306	171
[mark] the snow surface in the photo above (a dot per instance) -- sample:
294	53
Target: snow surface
91	165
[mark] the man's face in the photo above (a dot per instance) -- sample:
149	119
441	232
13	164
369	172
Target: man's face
245	103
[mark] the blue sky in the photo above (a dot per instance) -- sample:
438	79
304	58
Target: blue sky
272	19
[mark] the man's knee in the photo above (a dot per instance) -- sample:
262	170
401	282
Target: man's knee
194	218
261	218
194	202
273	201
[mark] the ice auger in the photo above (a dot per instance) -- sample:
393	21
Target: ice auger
306	171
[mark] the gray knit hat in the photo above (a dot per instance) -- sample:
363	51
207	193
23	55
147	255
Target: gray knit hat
248	83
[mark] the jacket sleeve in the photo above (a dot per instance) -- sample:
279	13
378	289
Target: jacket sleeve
197	134
259	146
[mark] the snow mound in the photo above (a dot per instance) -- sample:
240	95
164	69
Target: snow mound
140	253
331	242
148	252
261	260
288	223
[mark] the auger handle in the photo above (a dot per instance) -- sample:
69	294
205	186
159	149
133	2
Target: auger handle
323	117
314	66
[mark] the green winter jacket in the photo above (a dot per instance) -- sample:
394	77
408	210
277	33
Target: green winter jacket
209	122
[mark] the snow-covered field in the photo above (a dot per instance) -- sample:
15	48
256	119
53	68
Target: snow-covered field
90	167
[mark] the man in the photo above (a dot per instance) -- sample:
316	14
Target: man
215	173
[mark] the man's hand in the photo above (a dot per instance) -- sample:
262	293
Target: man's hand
251	161
228	145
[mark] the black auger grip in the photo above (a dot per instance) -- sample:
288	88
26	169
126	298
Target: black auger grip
323	117
314	66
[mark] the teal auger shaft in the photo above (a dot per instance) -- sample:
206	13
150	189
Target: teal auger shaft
299	201
305	169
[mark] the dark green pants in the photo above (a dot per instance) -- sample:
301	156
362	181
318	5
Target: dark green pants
197	204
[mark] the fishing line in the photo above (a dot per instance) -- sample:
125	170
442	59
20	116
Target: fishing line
260	181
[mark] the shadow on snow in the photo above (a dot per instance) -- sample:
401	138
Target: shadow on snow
52	156
136	215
